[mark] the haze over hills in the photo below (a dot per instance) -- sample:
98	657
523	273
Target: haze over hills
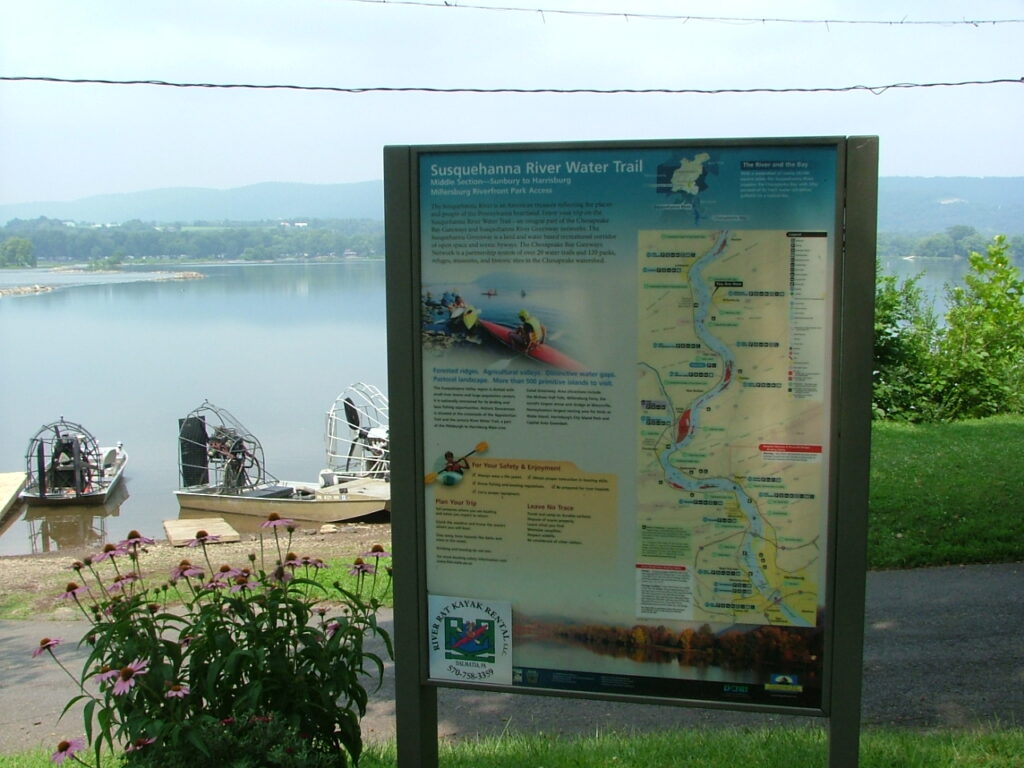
918	205
258	202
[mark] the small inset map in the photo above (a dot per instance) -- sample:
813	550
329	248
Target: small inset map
683	180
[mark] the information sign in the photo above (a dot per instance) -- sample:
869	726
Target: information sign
627	415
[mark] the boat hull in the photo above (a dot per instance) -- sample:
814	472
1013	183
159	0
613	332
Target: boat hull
345	501
67	496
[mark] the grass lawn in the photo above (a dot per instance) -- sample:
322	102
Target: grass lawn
750	748
946	493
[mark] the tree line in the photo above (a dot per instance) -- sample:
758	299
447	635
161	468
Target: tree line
52	241
29	242
953	242
970	366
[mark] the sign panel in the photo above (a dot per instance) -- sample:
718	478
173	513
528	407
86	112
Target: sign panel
627	406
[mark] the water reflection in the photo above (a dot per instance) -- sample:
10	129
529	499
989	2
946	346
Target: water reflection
273	343
56	527
546	654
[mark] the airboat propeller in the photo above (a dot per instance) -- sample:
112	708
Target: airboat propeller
357	436
65	464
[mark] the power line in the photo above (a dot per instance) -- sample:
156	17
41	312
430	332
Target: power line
875	89
630	15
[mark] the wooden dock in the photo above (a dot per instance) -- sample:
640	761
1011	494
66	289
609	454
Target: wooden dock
181	532
11	484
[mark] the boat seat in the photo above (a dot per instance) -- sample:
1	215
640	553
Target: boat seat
273	492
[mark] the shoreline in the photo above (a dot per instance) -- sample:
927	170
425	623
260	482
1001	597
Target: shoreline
37	288
31	584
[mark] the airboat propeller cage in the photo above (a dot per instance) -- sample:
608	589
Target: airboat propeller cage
63	456
216	450
358	445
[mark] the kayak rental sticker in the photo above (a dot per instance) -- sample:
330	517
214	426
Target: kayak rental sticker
470	640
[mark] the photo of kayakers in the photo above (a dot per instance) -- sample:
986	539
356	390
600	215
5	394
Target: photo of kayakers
516	327
452	469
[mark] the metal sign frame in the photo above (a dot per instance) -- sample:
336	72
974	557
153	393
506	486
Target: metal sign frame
852	299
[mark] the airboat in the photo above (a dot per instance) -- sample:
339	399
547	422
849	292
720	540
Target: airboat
357	437
223	471
66	465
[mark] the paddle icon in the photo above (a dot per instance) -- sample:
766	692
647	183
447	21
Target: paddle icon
454	468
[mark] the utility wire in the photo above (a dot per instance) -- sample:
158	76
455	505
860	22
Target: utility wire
629	15
875	89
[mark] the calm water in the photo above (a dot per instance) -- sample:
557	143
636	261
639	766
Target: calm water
126	357
936	275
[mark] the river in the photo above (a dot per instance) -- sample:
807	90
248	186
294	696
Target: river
126	356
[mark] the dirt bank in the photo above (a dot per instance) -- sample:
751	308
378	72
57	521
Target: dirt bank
30	584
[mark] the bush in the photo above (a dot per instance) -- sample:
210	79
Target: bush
242	666
973	367
905	333
980	356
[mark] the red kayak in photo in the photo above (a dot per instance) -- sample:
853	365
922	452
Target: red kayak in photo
542	352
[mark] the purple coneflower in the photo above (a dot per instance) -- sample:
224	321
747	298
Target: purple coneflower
106	673
126	677
185	570
291	560
136	539
274	520
360	567
377	550
177	691
72	591
67	749
202	537
215	583
109	551
139	743
120	581
45	645
281	574
244	582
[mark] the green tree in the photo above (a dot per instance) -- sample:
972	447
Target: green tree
940	246
980	356
905	337
17	252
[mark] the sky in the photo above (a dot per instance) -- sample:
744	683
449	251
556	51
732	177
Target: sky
62	141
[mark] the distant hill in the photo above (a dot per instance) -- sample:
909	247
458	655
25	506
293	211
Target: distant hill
924	205
910	204
258	202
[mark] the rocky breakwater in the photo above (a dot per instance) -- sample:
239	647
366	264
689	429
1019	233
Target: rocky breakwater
24	290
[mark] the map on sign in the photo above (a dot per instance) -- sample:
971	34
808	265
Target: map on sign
683	179
731	425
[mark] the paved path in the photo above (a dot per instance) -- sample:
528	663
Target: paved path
944	647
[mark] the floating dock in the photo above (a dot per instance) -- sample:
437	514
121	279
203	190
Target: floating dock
181	532
11	484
